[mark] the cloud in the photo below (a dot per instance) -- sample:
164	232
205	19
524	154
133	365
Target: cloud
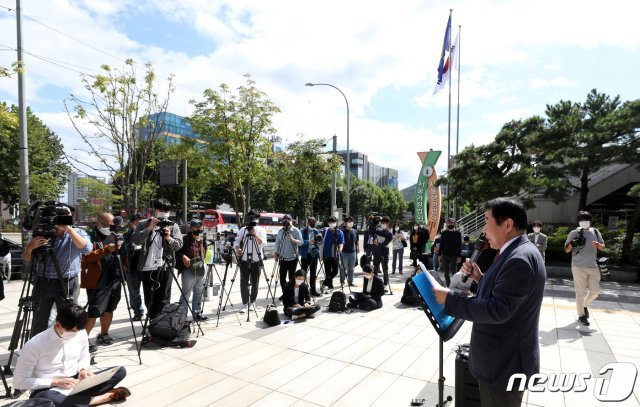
559	82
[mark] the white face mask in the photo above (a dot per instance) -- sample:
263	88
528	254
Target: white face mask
299	281
350	224
422	226
162	215
383	225
68	335
584	224
105	231
536	230
415	228
332	225
397	228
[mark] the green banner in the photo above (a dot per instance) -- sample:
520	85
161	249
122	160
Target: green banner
422	187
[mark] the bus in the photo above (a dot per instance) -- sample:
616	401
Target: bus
216	221
272	222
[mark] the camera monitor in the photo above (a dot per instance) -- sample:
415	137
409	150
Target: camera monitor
445	325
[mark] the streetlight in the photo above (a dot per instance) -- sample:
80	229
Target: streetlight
348	164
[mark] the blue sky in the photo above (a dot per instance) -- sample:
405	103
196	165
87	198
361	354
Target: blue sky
516	56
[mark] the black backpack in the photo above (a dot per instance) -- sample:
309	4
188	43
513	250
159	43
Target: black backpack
338	302
271	316
170	323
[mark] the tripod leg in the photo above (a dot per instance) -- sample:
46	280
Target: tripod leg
224	292
123	286
193	315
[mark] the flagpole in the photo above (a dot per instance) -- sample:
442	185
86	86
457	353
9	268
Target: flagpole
458	107
449	124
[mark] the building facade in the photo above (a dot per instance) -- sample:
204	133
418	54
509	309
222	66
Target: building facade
366	170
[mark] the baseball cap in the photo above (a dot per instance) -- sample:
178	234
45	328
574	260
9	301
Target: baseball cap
195	222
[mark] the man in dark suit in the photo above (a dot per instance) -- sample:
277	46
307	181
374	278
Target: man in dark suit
506	312
296	299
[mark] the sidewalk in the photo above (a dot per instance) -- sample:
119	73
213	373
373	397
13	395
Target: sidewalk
385	357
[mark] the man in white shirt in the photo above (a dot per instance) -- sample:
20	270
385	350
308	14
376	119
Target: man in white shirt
248	246
53	362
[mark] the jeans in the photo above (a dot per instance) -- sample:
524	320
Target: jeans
193	280
348	261
133	284
436	263
398	253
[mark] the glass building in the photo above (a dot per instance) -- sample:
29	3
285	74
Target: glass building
172	126
365	170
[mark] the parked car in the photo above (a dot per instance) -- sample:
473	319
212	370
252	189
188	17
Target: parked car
15	250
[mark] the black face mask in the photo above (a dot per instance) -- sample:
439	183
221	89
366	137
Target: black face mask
450	227
196	232
312	224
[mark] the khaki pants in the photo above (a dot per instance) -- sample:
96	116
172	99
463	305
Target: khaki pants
584	277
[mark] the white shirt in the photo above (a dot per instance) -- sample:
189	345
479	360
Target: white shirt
256	252
504	246
47	356
154	254
368	284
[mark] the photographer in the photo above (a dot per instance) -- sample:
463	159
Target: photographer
450	249
350	251
287	241
248	246
378	238
333	241
68	244
190	263
160	239
583	243
132	255
296	300
100	278
310	251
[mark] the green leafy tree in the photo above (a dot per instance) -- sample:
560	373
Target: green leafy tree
100	198
47	166
237	128
119	121
394	204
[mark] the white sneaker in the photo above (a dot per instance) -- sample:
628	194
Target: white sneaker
252	305
243	309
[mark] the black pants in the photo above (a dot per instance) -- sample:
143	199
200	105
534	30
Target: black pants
308	310
249	272
287	268
448	265
416	254
382	259
46	292
492	396
311	263
81	399
156	285
360	301
330	270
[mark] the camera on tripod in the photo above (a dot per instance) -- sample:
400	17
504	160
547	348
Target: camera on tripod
579	241
42	217
373	222
251	224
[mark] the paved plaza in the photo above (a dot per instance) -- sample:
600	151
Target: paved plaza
386	357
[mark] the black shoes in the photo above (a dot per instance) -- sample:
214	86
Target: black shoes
315	294
200	317
586	312
584	321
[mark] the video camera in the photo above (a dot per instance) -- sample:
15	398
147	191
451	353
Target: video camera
373	222
579	241
42	217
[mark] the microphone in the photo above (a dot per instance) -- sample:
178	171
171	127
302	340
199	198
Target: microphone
477	251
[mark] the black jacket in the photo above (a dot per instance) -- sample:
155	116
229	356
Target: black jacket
423	237
377	291
451	243
288	299
187	241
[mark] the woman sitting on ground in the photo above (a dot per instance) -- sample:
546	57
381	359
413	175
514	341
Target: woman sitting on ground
296	299
372	291
407	295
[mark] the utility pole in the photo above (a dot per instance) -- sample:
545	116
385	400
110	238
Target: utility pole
22	116
184	190
334	206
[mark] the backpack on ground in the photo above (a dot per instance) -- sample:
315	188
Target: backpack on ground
170	323
271	316
338	302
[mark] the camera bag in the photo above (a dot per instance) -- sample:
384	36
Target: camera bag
338	302
170	323
271	316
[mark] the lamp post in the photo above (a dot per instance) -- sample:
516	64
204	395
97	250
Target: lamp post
348	163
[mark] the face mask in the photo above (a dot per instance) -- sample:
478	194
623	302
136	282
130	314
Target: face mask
415	228
368	276
162	215
196	232
299	281
397	229
105	231
584	224
536	230
422	226
313	225
350	224
450	227
384	225
68	335
332	225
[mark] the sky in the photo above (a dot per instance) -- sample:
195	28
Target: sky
516	57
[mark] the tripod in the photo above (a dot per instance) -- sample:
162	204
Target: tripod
286	234
223	291
249	247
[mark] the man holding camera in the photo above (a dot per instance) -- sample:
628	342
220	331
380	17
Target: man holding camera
310	251
160	239
248	246
100	278
583	243
132	254
287	241
68	244
190	265
333	242
378	237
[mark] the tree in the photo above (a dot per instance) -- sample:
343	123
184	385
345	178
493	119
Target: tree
578	140
393	205
100	198
124	116
237	129
47	167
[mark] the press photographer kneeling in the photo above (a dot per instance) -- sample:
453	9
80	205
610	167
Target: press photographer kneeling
296	299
